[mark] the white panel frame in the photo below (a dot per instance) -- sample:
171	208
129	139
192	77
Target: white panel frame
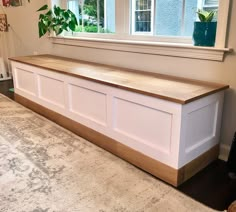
17	86
188	154
79	113
126	133
40	95
174	109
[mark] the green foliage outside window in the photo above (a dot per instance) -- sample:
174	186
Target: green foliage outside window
94	9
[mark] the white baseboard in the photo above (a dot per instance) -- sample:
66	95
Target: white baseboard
224	152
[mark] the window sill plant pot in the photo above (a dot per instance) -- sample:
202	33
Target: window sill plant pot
204	32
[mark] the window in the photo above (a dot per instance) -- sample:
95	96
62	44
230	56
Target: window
142	16
170	19
161	27
94	16
167	17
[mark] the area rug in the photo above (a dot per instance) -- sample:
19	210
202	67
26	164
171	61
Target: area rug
45	168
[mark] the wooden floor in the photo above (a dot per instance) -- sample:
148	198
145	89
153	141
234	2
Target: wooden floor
4	88
212	186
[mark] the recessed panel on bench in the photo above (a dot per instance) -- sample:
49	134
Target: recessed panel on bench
144	124
201	126
88	103
51	90
25	81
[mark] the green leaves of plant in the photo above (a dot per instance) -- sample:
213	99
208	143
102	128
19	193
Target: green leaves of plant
56	20
210	16
205	16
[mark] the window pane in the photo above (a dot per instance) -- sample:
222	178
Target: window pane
149	4
176	17
142	15
143	21
109	20
168	17
189	17
211	2
94	16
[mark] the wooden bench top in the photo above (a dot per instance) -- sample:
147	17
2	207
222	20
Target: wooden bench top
175	89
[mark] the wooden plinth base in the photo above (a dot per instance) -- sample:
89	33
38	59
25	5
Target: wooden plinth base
170	175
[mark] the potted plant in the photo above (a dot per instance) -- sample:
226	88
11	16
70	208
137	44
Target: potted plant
56	20
204	32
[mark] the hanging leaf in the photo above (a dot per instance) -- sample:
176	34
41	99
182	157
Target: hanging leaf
60	30
66	15
44	7
49	13
65	26
56	10
42	29
72	25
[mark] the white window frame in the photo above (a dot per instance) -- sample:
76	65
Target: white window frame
170	46
208	6
105	14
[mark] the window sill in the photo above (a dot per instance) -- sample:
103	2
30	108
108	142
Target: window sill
146	47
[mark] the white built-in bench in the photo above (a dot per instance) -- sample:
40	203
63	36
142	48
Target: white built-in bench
165	125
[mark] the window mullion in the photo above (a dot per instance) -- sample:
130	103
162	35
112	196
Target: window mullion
105	14
183	17
152	16
127	17
121	17
132	10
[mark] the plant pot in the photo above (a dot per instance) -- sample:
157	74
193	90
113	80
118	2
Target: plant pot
204	33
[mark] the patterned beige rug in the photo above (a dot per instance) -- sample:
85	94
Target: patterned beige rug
45	168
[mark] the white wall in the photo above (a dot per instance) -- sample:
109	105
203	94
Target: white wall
23	21
23	30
